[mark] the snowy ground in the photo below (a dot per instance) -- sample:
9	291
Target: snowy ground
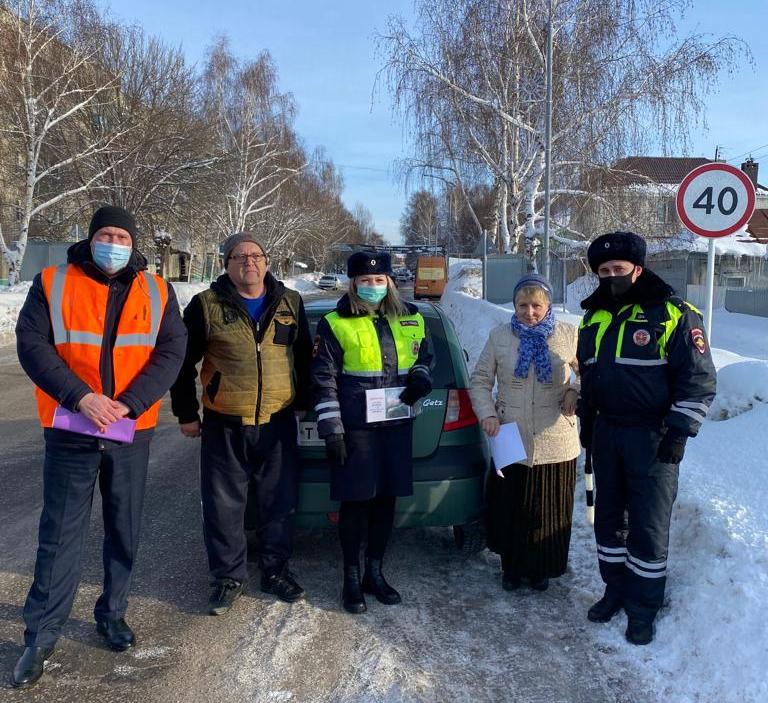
711	640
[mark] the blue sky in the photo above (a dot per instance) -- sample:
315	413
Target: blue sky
325	54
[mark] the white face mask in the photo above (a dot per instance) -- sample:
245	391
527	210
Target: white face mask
110	257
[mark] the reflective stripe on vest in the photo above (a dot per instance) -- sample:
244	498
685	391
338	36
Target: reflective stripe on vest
78	308
362	351
603	319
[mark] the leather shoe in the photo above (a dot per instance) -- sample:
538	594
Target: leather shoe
605	608
352	597
281	584
117	633
639	631
541	584
29	668
375	583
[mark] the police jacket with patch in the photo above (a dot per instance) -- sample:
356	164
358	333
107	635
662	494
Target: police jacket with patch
645	358
49	372
250	370
338	389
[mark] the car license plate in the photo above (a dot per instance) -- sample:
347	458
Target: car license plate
308	436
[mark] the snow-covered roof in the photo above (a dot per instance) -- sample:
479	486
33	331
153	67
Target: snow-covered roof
737	244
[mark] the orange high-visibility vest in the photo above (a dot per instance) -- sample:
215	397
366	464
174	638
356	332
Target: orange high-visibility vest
78	307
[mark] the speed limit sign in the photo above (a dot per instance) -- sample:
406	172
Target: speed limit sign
715	200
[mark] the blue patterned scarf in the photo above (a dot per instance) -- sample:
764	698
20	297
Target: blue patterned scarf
534	348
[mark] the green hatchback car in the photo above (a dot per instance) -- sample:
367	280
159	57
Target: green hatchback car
449	449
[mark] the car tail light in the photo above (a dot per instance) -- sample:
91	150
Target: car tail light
458	412
333	518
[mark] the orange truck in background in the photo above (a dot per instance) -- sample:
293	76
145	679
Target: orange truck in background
431	277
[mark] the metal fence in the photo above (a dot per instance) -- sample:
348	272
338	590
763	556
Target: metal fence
747	302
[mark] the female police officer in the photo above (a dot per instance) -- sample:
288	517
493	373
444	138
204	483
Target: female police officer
372	340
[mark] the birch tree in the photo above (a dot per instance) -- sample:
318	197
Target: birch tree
471	79
254	135
161	161
49	86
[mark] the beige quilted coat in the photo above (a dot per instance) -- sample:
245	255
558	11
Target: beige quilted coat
548	435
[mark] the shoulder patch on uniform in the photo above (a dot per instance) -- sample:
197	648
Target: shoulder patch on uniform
697	337
409	323
316	346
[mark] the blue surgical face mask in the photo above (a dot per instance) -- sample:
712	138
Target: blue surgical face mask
110	257
372	294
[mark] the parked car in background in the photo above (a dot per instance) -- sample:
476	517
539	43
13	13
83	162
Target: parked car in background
402	277
333	281
431	277
449	449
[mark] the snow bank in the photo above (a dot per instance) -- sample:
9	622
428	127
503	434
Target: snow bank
11	300
12	297
711	639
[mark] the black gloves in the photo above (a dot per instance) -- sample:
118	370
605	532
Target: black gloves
586	428
417	386
335	449
671	447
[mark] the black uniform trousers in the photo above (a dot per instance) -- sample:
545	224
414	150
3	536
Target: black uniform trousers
628	476
233	456
70	471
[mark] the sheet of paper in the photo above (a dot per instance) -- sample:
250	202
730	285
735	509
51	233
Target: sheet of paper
120	431
382	404
507	446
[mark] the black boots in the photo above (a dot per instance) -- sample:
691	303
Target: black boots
352	595
374	582
29	668
116	632
639	631
605	608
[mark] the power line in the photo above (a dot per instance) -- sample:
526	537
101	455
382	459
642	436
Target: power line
748	152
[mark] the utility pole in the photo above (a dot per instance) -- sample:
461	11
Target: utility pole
548	143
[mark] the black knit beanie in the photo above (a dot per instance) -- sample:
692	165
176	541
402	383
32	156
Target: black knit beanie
113	216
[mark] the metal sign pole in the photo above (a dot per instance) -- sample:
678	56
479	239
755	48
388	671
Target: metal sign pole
710	289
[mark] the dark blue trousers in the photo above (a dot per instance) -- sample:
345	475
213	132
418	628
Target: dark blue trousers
70	472
629	477
234	458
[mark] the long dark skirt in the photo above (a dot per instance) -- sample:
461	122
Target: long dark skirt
529	518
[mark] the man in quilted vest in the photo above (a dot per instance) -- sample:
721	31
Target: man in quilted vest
252	335
102	340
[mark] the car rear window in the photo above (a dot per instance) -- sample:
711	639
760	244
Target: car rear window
443	375
429	273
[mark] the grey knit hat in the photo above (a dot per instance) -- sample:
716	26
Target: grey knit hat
238	238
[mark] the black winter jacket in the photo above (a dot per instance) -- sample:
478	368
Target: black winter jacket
624	374
329	384
184	401
47	370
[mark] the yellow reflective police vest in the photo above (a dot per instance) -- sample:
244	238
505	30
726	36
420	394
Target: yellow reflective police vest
629	327
362	351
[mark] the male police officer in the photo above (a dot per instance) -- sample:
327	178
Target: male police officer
252	335
647	380
102	337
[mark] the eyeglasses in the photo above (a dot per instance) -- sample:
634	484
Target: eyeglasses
242	258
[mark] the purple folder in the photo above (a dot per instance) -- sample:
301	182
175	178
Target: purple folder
120	430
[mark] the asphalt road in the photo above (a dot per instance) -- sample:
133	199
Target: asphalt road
456	637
